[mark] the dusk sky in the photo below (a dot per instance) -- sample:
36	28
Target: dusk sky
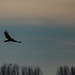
46	29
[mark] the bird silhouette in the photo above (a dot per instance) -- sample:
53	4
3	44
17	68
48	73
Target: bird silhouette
9	38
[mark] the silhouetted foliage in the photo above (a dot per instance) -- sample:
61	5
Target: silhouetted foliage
65	70
9	69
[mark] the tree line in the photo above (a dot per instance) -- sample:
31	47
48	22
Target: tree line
9	69
15	69
65	70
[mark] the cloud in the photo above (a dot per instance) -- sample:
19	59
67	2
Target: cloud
70	43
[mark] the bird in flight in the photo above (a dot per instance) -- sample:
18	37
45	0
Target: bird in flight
9	38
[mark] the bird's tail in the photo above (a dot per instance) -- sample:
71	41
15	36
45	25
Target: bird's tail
19	41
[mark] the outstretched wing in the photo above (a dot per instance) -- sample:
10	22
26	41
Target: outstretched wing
7	35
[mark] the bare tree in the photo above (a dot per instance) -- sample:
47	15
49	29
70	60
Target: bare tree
63	70
31	71
9	69
3	69
37	71
72	71
15	69
24	71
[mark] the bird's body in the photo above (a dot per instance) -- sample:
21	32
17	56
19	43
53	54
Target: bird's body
9	38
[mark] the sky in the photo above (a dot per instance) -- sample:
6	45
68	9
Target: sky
46	29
